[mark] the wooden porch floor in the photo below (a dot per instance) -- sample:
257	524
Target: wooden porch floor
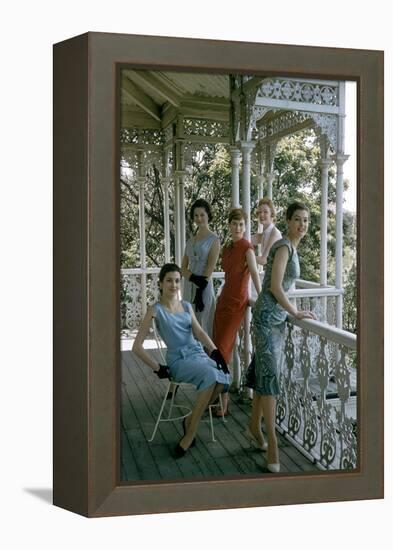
231	455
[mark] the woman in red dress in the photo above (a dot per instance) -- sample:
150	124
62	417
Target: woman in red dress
238	263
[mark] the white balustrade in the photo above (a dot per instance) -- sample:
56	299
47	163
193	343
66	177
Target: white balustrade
316	408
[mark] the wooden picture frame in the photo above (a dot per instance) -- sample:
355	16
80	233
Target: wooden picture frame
86	273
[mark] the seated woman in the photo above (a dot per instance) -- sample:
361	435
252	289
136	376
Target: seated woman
186	359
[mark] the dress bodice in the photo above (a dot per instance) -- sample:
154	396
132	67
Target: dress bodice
174	328
197	251
267	308
234	263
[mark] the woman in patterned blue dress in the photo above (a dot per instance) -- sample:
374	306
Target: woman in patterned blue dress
199	260
269	315
186	359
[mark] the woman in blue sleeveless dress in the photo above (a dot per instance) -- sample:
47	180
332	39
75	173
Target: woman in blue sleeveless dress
186	359
199	260
268	323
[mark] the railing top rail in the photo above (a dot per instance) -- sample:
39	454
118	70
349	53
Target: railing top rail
315	292
138	270
329	332
150	270
302	283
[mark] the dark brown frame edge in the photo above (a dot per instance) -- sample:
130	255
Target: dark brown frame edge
86	268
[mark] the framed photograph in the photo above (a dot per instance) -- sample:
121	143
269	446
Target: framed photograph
145	128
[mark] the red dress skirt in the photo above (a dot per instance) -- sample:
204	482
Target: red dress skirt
233	300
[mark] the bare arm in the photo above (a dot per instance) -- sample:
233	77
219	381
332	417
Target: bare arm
137	347
252	266
256	239
274	236
184	267
200	334
212	258
278	270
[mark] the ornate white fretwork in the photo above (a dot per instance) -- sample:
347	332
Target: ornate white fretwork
256	114
131	297
328	126
139	136
282	123
298	91
205	128
312	405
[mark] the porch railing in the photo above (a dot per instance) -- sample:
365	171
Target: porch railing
317	406
139	289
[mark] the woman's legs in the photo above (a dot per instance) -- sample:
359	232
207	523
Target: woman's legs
202	402
268	403
256	418
216	392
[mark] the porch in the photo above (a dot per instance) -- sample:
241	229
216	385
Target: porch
230	455
167	120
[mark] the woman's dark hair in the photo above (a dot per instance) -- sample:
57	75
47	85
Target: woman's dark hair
295	206
201	203
237	214
168	268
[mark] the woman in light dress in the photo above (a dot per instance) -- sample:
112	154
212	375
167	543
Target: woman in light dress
199	261
187	361
262	242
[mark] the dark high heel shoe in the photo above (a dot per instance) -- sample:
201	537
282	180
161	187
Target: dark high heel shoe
193	442
178	451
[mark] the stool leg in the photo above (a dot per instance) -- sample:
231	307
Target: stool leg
223	416
211	422
159	414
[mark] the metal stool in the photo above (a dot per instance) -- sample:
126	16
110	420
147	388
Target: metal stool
174	385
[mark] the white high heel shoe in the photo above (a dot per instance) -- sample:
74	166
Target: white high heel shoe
274	468
253	440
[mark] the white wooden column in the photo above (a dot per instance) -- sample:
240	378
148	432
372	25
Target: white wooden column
182	214
339	160
261	169
324	164
235	166
270	151
261	181
180	240
177	219
246	148
142	230
165	189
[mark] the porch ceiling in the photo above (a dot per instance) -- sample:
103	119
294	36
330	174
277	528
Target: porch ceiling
149	97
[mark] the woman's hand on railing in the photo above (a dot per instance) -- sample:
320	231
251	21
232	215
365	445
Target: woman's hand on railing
305	314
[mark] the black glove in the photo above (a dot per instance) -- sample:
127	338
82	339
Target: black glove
199	305
199	281
218	358
162	372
